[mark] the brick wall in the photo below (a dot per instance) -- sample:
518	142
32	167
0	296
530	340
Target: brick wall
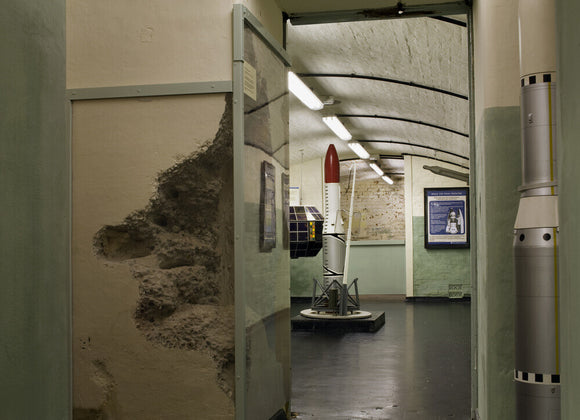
381	206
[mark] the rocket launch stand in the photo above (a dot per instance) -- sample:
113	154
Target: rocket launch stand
335	302
332	298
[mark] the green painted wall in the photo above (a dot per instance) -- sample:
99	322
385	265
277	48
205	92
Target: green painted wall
568	38
379	266
430	272
302	270
499	166
34	215
435	269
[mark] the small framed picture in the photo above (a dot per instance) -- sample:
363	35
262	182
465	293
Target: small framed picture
446	218
268	208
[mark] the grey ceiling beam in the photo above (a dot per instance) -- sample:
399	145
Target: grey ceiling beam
402	156
384	79
437	159
449	173
450	20
406	143
408	120
401	10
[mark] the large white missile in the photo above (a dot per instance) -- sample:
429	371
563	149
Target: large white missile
333	243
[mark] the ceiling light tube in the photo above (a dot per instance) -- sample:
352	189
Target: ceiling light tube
387	179
335	125
377	169
303	92
358	149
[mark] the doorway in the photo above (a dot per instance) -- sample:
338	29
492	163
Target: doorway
402	87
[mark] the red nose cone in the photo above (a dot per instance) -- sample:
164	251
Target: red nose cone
331	166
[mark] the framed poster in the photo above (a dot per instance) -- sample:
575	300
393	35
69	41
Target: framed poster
268	208
286	209
447	217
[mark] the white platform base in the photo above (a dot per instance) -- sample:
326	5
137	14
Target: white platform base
309	313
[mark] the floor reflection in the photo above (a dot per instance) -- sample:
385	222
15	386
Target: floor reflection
415	367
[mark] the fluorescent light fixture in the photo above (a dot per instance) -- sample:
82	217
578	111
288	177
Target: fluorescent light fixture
359	150
335	125
303	92
376	168
387	179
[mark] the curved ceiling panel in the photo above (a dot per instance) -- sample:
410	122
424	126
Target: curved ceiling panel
356	96
423	50
393	116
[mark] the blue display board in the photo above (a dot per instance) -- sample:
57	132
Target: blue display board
447	217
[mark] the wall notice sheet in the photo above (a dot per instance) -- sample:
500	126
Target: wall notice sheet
446	217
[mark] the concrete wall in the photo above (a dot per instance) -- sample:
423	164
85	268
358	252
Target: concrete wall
568	39
34	215
153	303
429	272
498	176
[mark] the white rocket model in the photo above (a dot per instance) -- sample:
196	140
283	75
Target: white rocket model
335	302
333	243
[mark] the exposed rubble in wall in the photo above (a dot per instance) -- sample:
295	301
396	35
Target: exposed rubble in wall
180	250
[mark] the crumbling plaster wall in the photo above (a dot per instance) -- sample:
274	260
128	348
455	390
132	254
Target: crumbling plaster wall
153	320
153	293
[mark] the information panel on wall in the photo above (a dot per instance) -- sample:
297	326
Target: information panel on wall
446	218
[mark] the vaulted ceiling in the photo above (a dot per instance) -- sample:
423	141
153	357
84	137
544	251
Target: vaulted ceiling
400	86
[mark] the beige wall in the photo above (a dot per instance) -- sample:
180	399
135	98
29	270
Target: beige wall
179	363
116	43
268	13
308	177
496	64
498	167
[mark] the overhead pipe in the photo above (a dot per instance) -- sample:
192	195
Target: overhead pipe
449	173
537	365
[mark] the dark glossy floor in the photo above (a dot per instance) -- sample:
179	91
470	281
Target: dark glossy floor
415	367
